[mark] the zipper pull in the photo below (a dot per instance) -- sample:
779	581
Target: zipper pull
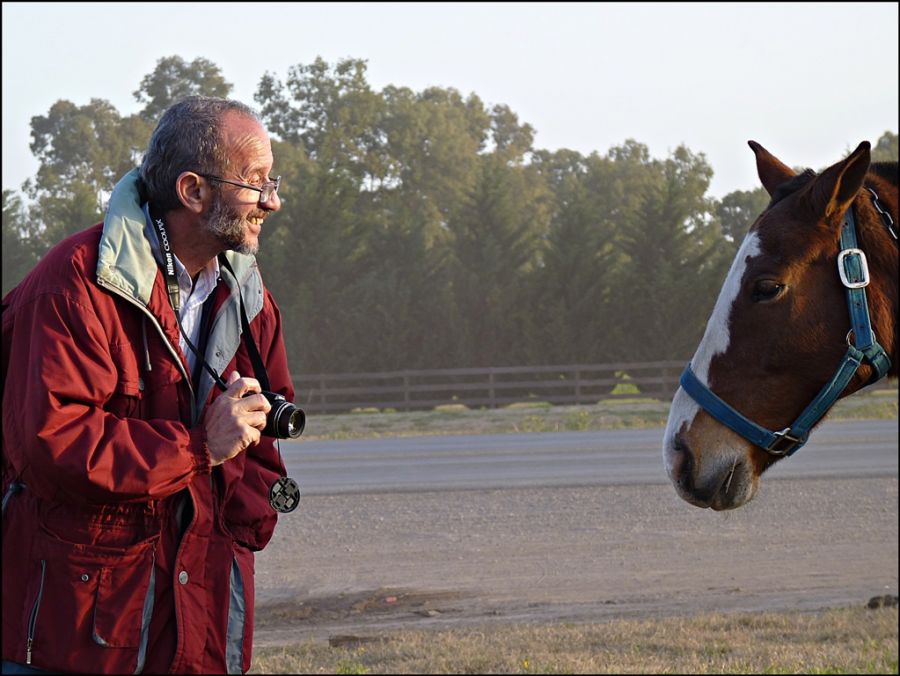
28	651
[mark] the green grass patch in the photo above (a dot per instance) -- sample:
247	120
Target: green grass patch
518	405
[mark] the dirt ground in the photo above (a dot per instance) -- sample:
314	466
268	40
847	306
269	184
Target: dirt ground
362	564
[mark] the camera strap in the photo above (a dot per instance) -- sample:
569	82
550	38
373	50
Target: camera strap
174	291
284	493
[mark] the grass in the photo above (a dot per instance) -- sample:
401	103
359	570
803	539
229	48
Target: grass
833	641
540	416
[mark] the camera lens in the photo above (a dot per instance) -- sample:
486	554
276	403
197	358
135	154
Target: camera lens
285	420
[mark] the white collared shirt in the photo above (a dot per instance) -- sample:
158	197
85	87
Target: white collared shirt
192	299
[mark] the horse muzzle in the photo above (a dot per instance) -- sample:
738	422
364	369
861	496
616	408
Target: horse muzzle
726	480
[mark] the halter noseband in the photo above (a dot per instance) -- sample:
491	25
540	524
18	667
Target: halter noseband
854	273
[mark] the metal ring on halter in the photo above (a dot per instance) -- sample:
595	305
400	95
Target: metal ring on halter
853	344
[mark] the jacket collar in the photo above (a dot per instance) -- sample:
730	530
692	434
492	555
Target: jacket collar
126	261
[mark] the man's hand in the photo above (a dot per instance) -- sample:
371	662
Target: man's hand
234	421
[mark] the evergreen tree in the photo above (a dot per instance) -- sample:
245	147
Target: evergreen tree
675	262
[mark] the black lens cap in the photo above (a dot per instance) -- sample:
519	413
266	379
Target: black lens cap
284	495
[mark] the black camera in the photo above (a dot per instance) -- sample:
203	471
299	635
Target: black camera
284	419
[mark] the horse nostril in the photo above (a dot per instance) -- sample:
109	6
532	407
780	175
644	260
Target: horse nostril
682	464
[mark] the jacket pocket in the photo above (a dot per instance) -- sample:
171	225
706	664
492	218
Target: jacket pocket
96	605
117	588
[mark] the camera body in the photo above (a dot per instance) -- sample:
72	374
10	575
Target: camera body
284	419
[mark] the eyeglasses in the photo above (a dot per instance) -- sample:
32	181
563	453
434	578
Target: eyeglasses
266	190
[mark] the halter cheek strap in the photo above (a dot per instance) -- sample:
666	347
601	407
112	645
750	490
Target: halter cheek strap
854	273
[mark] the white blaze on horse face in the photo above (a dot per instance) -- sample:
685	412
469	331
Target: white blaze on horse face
715	341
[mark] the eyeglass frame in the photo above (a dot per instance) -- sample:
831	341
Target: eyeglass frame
268	185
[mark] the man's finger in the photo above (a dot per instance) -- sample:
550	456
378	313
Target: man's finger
241	386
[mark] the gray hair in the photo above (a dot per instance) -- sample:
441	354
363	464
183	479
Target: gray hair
186	138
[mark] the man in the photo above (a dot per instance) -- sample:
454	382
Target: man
135	490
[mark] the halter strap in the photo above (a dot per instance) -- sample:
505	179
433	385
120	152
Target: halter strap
854	273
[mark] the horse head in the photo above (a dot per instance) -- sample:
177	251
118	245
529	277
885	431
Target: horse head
781	344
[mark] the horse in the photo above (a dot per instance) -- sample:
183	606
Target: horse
807	315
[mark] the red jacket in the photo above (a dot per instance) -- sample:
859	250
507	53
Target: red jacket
122	550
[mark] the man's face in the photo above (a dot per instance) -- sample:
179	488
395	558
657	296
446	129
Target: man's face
236	215
231	226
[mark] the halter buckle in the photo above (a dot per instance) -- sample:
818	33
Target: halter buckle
859	279
784	443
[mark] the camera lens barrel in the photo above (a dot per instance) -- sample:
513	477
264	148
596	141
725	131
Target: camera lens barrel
284	420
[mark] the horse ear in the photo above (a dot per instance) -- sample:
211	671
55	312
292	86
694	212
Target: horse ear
836	187
772	171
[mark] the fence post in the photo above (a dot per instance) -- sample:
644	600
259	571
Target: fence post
406	392
491	395
322	391
577	386
667	387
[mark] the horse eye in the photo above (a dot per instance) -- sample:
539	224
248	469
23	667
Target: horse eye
766	290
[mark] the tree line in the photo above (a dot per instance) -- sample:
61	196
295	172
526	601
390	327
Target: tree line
424	229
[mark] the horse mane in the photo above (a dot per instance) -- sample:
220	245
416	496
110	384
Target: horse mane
886	170
791	186
890	171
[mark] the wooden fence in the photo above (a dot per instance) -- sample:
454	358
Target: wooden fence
486	387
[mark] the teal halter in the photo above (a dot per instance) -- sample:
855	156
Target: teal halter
854	274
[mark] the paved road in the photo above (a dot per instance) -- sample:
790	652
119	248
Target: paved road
842	449
464	531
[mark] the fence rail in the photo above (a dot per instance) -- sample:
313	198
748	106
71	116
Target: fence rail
490	387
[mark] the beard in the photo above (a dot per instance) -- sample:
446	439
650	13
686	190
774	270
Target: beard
229	227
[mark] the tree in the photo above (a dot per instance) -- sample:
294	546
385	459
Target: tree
674	259
570	291
309	257
19	241
174	79
84	150
332	112
384	174
90	145
430	153
420	229
737	211
885	149
497	242
432	145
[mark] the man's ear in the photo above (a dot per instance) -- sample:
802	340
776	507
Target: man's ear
192	191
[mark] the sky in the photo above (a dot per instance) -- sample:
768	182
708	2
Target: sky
808	81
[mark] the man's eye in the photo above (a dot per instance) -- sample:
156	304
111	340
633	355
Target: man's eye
766	290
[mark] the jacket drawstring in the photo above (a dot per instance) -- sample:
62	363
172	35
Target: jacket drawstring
146	344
